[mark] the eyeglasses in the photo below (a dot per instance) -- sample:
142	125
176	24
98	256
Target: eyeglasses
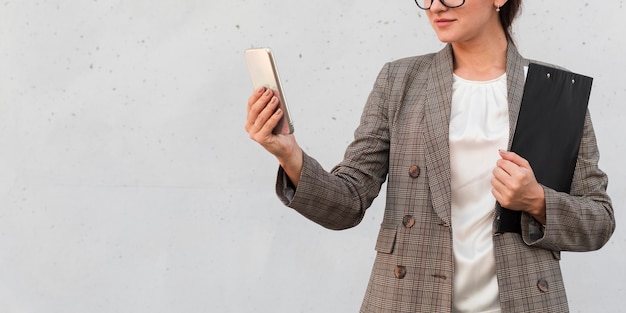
425	4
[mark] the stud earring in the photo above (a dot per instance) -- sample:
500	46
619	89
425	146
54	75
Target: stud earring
497	8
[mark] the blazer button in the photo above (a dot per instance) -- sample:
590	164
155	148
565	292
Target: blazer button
400	271
414	171
408	221
542	284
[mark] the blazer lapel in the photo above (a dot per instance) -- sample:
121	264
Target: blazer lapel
437	119
516	78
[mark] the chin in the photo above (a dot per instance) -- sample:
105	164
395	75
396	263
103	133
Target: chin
446	36
446	39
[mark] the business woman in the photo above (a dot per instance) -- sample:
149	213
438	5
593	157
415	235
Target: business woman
438	128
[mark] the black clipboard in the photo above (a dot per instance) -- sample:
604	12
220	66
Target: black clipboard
549	130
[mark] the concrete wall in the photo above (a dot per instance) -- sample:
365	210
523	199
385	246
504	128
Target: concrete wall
127	182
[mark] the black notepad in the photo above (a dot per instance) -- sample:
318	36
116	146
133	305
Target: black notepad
549	129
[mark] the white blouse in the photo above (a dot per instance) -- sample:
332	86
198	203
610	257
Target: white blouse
479	126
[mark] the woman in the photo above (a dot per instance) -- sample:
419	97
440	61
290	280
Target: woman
438	127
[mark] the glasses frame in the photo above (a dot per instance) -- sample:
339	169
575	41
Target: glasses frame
442	2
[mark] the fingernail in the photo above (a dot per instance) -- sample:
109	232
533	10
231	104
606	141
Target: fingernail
260	89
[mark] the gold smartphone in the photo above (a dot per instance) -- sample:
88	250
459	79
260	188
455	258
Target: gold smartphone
264	73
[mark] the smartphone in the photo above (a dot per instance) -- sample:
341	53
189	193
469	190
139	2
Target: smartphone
264	73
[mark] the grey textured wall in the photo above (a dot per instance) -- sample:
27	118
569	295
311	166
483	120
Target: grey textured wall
127	182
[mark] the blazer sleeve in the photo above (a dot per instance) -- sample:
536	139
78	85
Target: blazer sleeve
338	199
582	220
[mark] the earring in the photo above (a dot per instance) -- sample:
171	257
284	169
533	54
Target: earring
498	8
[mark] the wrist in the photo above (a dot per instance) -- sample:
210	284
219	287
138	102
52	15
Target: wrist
292	159
292	164
538	209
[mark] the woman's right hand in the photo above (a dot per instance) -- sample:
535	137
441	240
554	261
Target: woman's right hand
263	115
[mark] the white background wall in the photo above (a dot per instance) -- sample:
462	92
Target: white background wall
127	182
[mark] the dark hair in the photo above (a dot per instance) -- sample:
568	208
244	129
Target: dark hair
508	12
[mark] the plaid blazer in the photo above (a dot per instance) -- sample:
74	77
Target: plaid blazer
403	137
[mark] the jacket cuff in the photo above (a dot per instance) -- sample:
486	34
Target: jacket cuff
534	232
285	189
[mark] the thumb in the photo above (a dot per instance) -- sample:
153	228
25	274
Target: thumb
514	158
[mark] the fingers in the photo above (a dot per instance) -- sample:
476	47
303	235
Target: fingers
265	112
514	184
256	94
507	175
269	117
262	108
503	180
499	190
506	182
523	194
505	168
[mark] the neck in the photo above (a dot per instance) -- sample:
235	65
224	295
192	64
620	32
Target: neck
480	61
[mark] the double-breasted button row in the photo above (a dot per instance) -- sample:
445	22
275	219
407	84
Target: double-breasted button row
400	272
414	171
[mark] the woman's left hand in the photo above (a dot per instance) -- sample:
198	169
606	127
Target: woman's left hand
516	188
